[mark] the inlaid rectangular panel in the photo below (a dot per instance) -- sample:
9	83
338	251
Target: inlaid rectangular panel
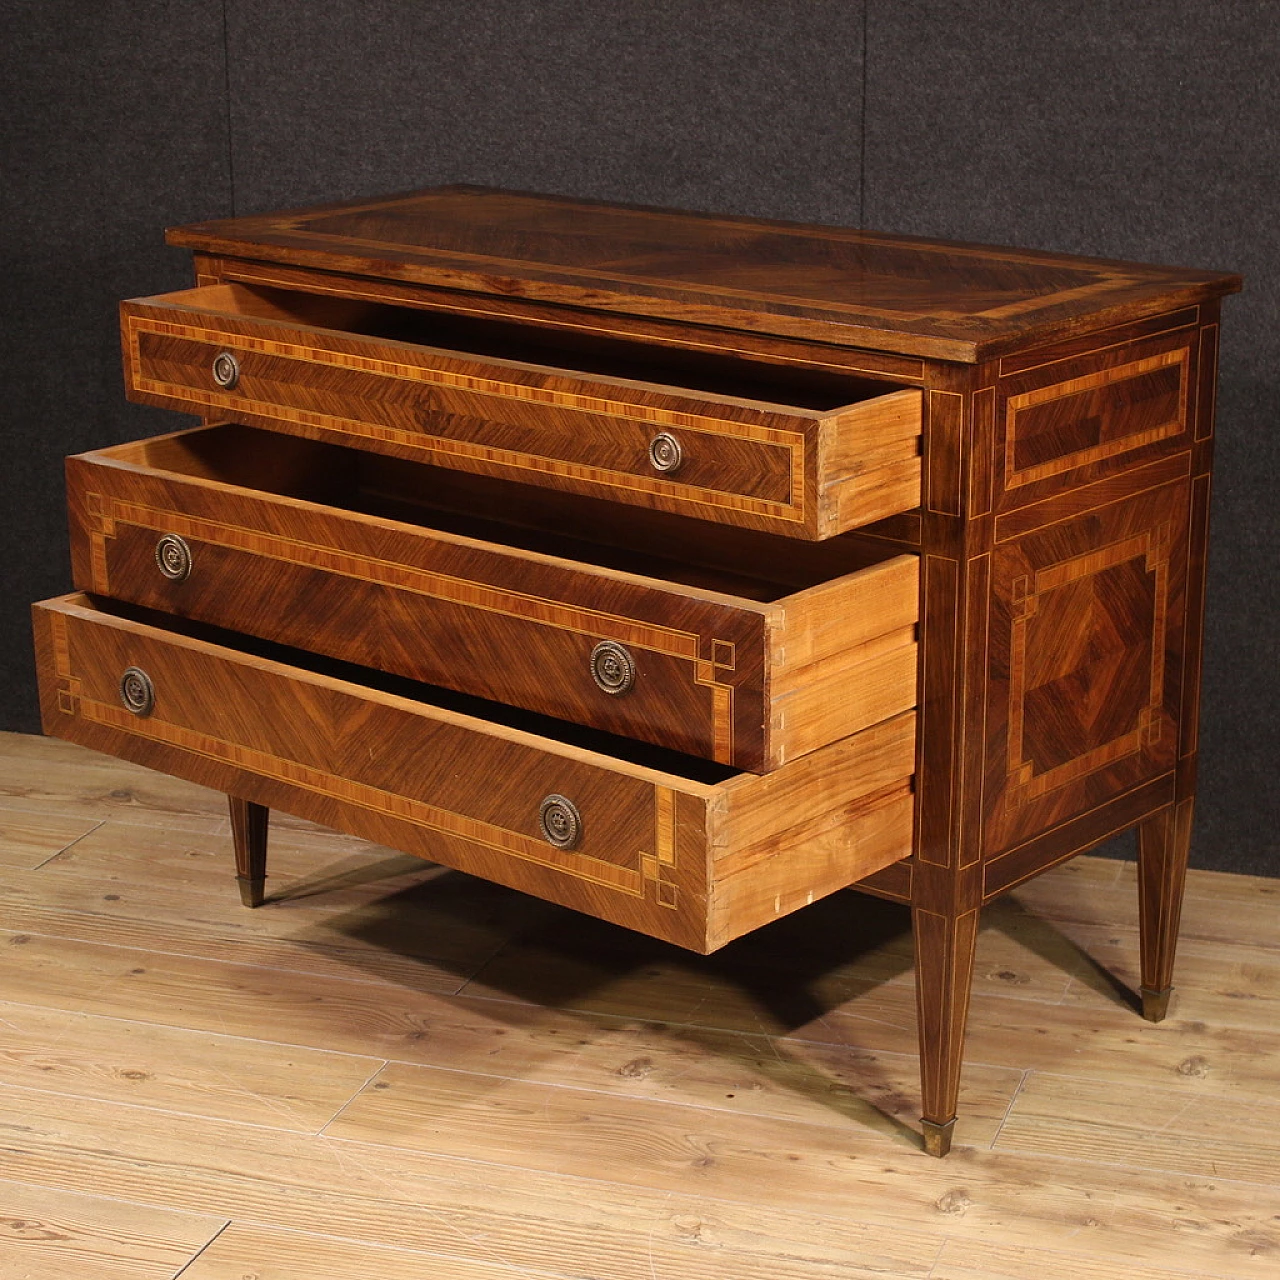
803	452
752	656
678	848
1074	418
1085	658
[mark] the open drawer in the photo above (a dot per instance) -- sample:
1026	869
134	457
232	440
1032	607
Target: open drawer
672	846
798	451
738	646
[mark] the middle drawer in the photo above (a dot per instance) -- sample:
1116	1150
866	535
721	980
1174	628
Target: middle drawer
739	647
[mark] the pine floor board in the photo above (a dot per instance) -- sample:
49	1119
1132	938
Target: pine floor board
659	1147
973	1260
1218	907
766	1075
60	1235
1202	1134
29	839
267	1253
439	927
176	1069
48	776
394	1070
467	1209
1217	983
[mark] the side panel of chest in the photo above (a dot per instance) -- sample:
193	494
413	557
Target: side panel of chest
1095	525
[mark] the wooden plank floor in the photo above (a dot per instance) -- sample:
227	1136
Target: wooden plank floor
398	1071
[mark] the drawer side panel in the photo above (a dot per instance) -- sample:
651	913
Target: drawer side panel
815	826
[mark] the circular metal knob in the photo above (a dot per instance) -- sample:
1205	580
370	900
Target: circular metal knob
173	557
665	453
226	370
560	821
137	692
612	667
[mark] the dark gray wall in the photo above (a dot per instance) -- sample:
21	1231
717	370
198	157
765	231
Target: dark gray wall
1146	131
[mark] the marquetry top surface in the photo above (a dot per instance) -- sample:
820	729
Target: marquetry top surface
856	288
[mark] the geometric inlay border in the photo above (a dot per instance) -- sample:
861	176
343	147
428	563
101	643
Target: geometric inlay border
791	442
108	513
654	870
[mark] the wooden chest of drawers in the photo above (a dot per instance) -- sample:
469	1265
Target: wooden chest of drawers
678	569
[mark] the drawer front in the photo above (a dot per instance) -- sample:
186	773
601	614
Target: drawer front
735	680
469	793
673	449
648	846
478	618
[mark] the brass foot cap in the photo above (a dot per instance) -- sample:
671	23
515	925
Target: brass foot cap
1155	1004
937	1137
252	890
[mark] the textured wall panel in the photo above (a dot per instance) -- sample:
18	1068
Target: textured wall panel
114	126
744	106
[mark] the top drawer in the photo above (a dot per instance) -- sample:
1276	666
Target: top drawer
795	451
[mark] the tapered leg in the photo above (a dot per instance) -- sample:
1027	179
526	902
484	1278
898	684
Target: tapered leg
945	947
249	832
1164	841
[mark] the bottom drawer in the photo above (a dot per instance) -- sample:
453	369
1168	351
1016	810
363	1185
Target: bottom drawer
673	846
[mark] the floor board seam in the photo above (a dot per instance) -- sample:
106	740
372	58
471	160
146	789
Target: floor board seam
69	845
1008	1111
373	1075
196	1256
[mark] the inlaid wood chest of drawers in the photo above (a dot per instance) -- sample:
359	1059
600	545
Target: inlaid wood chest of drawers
678	569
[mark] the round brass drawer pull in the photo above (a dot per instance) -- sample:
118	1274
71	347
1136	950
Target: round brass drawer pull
226	370
173	557
665	453
612	667
137	693
560	821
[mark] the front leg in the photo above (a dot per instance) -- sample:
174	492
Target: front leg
249	823
1164	841
945	946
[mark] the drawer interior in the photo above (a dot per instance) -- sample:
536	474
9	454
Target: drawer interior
739	563
630	750
740	379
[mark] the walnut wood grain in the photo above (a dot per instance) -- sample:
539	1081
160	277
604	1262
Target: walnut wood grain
903	294
728	665
810	456
466	792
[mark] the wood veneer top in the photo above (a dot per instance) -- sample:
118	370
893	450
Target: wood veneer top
903	294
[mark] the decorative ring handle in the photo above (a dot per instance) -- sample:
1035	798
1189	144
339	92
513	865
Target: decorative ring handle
665	453
560	822
137	693
226	370
612	667
173	557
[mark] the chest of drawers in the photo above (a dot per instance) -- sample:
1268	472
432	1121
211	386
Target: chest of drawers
678	569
